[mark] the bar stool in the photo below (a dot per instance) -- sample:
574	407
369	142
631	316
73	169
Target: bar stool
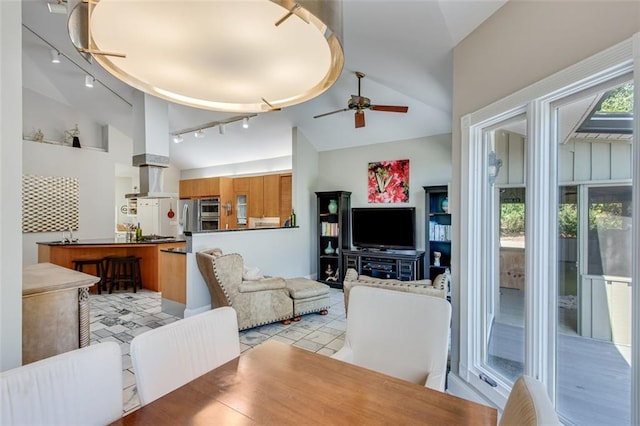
123	270
79	264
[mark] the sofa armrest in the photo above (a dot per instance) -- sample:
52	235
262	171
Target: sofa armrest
274	283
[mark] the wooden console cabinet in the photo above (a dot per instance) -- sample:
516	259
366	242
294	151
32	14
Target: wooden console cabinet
404	266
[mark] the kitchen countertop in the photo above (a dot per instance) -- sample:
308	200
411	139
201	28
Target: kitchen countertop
109	241
174	250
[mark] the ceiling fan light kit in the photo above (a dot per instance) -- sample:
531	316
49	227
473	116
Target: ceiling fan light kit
359	103
236	56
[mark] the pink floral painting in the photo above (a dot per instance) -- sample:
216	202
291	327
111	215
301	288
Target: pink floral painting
388	182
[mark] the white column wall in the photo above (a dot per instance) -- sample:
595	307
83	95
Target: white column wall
10	193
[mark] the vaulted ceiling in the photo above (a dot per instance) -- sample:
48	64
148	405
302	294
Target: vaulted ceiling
403	47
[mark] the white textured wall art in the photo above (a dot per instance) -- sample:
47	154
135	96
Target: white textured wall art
50	203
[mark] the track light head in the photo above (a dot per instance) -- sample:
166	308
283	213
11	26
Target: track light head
88	81
222	129
199	134
55	56
177	138
245	123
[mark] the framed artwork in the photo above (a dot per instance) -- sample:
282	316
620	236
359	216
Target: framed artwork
388	182
50	203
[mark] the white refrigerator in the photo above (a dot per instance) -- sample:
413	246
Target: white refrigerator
158	216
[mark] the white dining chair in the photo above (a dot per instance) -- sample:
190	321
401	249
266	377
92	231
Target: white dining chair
170	356
80	387
404	335
528	405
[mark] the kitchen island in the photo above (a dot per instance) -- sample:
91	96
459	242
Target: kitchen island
63	254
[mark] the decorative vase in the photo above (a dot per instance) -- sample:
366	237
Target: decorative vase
333	206
445	205
76	142
329	249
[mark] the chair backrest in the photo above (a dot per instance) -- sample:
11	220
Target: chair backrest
170	356
80	387
528	405
222	274
404	335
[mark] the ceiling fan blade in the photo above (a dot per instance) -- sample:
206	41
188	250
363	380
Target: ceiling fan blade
332	112
389	108
359	119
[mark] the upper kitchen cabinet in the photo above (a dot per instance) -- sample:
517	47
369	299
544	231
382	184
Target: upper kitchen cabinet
264	199
286	198
266	196
201	188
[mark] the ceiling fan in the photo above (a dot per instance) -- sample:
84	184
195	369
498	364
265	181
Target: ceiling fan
360	103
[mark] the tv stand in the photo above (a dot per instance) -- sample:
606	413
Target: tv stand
404	265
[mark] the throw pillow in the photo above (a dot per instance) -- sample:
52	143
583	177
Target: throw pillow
251	274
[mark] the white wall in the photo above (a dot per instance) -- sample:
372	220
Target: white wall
429	164
10	193
266	166
53	118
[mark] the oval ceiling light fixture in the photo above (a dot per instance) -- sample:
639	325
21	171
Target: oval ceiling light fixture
235	56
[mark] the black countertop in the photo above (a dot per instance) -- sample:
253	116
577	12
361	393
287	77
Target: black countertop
110	241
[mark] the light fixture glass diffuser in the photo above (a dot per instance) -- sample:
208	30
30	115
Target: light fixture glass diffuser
221	55
55	56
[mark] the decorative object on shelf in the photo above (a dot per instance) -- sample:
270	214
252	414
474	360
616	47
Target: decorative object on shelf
445	205
331	274
293	218
72	136
333	206
124	209
436	258
388	182
38	136
329	249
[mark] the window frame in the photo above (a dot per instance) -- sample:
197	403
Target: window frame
541	220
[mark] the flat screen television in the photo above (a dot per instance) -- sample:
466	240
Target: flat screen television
383	228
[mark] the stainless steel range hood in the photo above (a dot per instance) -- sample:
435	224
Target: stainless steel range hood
151	183
150	145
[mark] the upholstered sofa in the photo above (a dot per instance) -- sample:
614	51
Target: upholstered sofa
257	302
352	279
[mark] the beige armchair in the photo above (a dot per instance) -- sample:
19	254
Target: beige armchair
352	279
256	302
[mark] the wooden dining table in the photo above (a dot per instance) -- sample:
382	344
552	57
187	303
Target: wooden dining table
278	384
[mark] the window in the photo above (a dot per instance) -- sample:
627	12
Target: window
580	236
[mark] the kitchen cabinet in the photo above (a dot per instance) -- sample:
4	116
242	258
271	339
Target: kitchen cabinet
241	187
264	196
200	188
226	203
256	197
286	198
244	197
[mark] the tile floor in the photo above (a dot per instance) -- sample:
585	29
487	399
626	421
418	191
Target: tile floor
121	316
